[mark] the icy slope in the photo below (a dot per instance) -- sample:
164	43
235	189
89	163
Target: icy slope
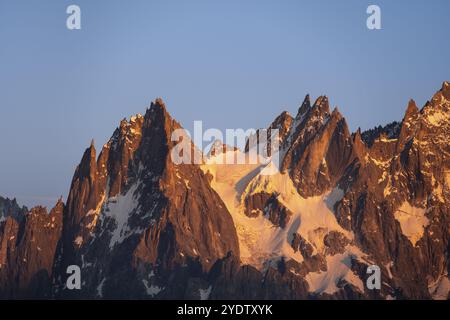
263	243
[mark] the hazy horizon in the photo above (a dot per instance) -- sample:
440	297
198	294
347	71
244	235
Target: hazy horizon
229	64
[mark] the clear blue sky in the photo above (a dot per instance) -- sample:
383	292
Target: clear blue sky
229	63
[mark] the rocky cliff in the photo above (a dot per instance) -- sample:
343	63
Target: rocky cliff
141	226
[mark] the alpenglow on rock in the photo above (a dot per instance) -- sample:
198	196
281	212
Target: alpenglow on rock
140	226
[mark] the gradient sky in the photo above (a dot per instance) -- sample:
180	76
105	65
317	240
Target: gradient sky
232	64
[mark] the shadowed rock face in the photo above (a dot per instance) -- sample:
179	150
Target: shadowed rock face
268	205
10	208
300	244
141	226
27	252
282	123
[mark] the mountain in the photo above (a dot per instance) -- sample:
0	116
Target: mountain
10	208
141	226
27	249
134	217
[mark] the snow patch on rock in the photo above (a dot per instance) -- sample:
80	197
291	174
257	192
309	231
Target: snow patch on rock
412	221
204	293
151	290
120	209
338	269
259	239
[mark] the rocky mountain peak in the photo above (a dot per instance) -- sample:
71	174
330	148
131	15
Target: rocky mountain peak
304	108
158	103
141	226
411	110
10	208
27	252
359	145
87	166
283	123
408	125
336	114
218	147
312	148
158	121
158	112
322	104
59	206
445	90
160	214
441	96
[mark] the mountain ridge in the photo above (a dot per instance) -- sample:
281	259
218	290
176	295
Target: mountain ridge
140	226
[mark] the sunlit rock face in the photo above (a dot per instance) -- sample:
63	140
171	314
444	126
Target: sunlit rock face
140	226
136	218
